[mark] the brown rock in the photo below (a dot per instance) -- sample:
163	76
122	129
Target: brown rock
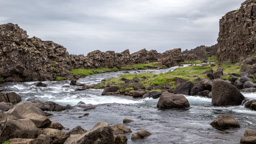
223	122
125	121
120	129
169	101
56	125
141	134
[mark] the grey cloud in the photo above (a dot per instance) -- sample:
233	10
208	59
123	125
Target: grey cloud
85	25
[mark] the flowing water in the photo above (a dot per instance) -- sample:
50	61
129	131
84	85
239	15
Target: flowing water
170	126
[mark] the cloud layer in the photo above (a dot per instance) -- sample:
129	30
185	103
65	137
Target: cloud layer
86	25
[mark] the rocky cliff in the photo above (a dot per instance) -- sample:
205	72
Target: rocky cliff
32	59
237	33
200	53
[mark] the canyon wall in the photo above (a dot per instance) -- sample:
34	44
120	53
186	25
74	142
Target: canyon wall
237	33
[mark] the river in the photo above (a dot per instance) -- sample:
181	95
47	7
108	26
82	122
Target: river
167	127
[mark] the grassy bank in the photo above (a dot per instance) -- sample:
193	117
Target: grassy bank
88	72
190	73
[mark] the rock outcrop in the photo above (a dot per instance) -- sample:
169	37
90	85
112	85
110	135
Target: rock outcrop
237	33
200	53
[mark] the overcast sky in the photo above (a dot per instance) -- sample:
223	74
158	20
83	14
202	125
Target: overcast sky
86	25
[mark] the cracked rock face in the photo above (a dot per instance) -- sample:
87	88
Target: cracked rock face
238	33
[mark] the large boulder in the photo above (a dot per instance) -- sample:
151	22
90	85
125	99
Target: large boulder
141	134
223	122
249	137
184	88
29	111
100	134
136	93
251	104
19	128
10	97
225	94
169	100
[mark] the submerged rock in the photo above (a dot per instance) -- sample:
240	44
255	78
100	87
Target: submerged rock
225	94
223	122
170	100
141	134
125	121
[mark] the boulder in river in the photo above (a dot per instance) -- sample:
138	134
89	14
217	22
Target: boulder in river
141	134
50	106
249	137
56	135
100	134
125	121
120	129
225	94
29	111
10	97
40	84
251	104
19	128
223	122
110	90
169	100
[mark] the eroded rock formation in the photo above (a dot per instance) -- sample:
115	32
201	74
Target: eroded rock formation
237	33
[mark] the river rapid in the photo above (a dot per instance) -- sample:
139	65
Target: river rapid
167	127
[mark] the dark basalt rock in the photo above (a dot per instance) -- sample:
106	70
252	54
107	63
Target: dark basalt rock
184	88
225	94
237	33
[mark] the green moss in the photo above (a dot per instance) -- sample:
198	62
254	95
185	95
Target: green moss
97	87
128	89
212	59
156	90
226	77
6	142
60	78
192	62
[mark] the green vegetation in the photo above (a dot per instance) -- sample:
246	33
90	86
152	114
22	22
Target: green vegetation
229	68
212	59
190	73
192	62
226	77
88	72
156	90
128	89
60	78
1	79
6	142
